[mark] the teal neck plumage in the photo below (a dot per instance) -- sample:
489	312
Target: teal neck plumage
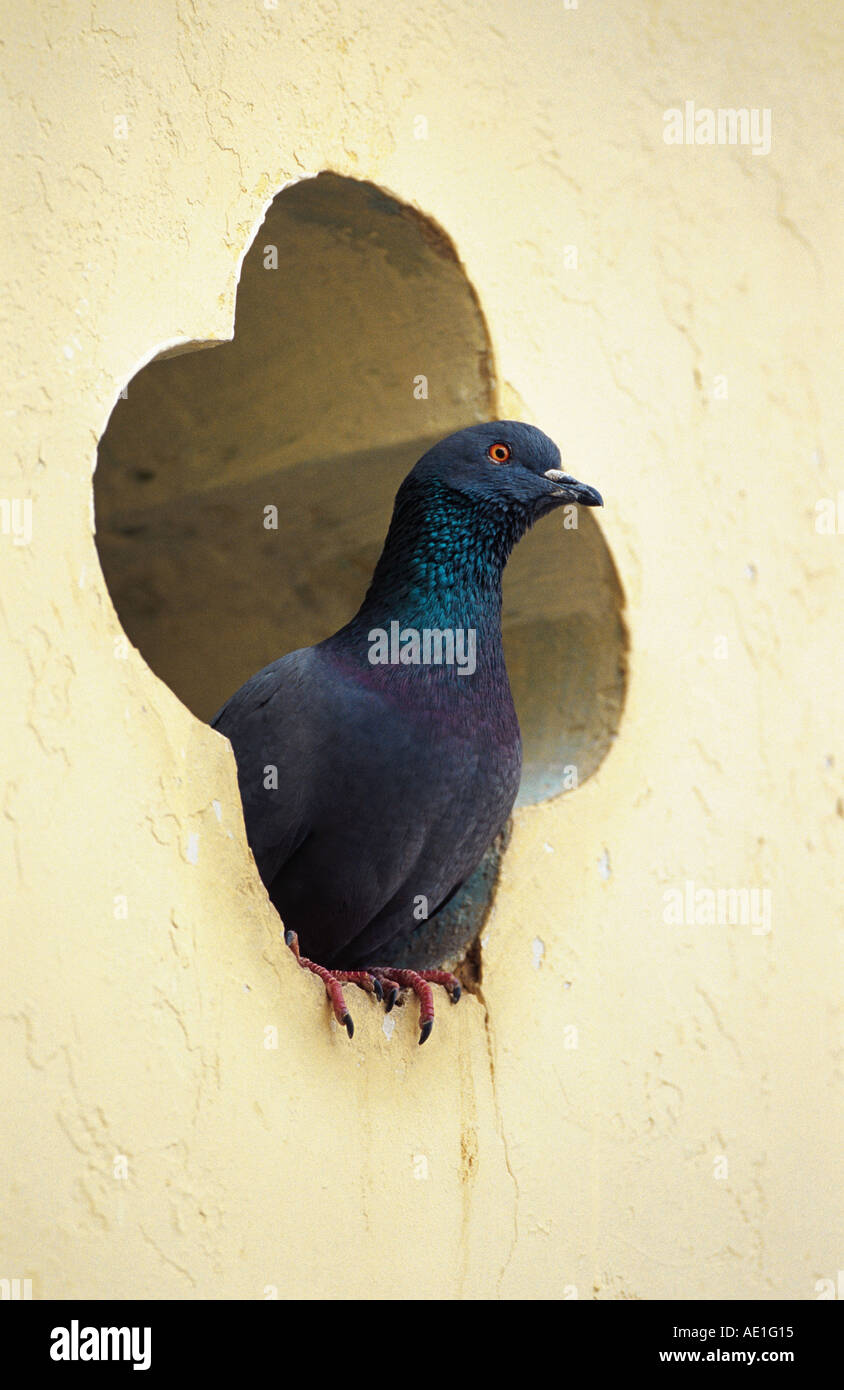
442	561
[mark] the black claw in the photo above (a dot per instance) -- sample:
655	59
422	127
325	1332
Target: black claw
350	1027
455	994
376	985
425	1031
394	994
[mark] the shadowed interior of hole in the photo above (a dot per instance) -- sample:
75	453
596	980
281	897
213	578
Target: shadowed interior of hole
346	298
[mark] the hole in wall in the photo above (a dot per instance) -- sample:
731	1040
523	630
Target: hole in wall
346	298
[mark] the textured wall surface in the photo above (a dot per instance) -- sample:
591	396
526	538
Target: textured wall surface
640	1102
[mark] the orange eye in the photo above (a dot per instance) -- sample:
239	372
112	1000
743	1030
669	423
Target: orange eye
499	453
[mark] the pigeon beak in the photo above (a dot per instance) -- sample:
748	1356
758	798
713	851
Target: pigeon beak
573	490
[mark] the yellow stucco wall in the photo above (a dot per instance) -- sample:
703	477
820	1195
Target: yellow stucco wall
568	1129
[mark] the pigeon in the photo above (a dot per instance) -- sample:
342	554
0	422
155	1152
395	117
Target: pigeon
376	767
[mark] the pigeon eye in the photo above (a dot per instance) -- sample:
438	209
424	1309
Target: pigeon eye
499	453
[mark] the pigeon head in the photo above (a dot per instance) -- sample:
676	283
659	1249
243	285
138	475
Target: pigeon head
504	465
457	516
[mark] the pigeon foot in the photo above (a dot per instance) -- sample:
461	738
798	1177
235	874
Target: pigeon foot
384	983
420	982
